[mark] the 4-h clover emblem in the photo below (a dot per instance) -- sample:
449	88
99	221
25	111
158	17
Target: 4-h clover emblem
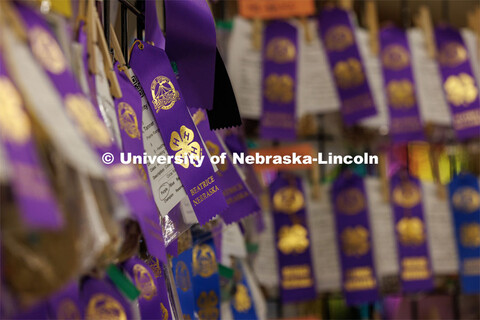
460	89
185	146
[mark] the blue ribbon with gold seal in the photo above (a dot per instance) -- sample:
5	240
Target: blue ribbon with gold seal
465	205
242	303
182	273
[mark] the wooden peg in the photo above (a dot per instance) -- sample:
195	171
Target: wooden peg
11	18
91	37
306	30
107	61
257	33
371	18
117	50
425	22
345	4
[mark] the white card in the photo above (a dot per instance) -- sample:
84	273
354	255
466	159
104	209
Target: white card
265	262
245	69
105	101
373	69
233	243
316	92
324	250
431	99
47	106
382	228
440	231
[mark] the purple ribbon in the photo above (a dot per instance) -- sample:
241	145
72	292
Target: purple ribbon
459	85
410	230
153	299
125	181
354	239
279	84
153	70
292	239
153	33
129	115
102	301
190	27
31	188
239	199
66	303
347	66
405	122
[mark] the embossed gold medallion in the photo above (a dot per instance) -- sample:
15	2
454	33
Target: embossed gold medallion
204	262
144	281
241	299
47	51
279	88
355	241
182	276
466	199
128	120
14	122
470	234
292	239
338	38
81	109
407	195
103	306
214	150
281	50
348	73
288	200
460	89
395	57
452	54
350	201
401	94
183	143
411	231
164	94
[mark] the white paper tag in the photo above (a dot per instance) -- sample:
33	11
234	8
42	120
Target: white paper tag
105	101
440	231
321	224
316	92
245	69
373	69
382	228
47	106
233	243
265	263
431	99
188	214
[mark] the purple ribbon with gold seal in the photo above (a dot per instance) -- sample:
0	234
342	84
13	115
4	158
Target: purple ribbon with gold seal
153	299
190	27
239	198
124	179
66	303
30	185
182	139
129	115
101	300
410	230
354	239
346	64
279	84
399	83
459	85
292	239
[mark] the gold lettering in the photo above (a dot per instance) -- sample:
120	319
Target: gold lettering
295	277
360	278
415	268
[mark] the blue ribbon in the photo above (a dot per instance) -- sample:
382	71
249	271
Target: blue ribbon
465	204
182	272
